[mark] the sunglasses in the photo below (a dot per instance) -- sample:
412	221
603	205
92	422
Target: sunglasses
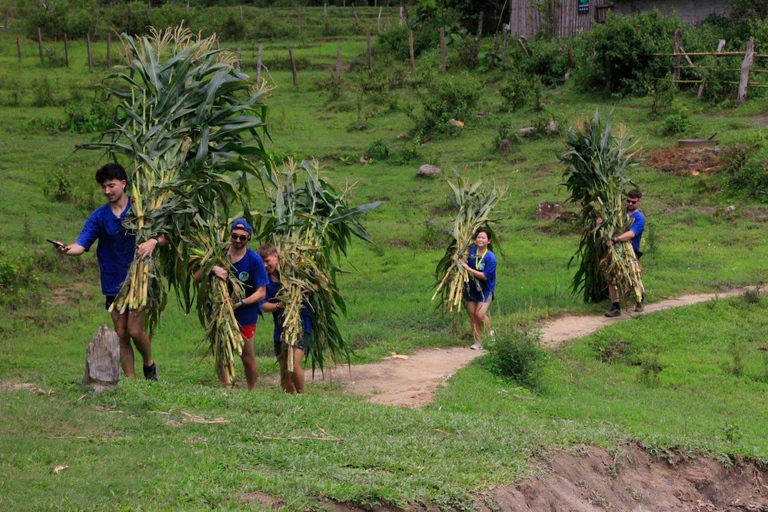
632	201
237	237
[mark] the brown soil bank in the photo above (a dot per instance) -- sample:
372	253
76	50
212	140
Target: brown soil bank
594	480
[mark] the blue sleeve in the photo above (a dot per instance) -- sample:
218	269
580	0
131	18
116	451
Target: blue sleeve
90	232
490	266
260	277
638	225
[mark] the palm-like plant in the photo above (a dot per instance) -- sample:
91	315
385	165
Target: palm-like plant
311	224
597	164
191	125
474	207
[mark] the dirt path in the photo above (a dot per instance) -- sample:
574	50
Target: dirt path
411	381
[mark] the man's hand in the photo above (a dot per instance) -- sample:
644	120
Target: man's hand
220	272
71	249
145	250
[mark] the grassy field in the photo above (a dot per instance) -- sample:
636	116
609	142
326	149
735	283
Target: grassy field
692	379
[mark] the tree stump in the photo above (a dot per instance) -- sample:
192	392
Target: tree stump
102	360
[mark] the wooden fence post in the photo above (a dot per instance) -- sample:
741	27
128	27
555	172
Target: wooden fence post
109	50
378	20
40	43
338	62
66	50
242	16
187	6
703	86
505	46
478	36
368	50
410	48
676	50
293	67
90	50
18	49
401	14
443	67
746	66
354	12
258	63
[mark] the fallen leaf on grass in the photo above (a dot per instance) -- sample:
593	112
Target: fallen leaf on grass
59	469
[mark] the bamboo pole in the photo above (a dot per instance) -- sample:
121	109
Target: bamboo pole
40	43
746	65
66	50
293	67
410	48
443	67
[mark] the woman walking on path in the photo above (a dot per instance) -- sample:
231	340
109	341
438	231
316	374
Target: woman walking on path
481	266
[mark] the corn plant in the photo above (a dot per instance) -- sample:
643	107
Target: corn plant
597	164
191	124
311	224
474	208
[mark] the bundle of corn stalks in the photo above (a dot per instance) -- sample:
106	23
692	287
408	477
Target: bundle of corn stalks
596	167
311	223
215	298
473	211
185	114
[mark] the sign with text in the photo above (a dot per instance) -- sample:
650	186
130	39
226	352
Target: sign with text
583	7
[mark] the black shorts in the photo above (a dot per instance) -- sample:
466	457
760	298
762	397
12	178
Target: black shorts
304	343
109	300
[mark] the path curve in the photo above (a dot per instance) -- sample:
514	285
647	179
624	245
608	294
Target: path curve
411	381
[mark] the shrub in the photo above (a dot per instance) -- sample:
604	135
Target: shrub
745	168
518	356
448	97
622	53
87	117
678	121
18	279
515	91
377	150
664	93
548	60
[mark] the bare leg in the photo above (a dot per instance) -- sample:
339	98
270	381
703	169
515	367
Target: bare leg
250	367
120	322
140	337
297	377
477	324
286	381
481	314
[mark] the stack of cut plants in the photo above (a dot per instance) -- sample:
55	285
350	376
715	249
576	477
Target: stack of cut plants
311	224
474	208
190	125
597	164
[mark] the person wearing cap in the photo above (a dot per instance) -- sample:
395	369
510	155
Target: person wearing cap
248	268
115	252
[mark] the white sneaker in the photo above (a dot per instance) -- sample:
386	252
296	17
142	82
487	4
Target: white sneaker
476	346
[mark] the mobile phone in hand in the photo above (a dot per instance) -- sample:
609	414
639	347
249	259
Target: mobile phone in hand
55	244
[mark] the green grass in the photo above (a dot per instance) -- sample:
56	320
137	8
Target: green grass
482	431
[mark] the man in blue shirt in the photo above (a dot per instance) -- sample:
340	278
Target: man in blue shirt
115	253
248	267
633	234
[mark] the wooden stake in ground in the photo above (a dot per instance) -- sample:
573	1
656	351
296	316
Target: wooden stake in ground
410	48
676	50
746	66
293	67
378	20
478	36
40	43
443	67
90	50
